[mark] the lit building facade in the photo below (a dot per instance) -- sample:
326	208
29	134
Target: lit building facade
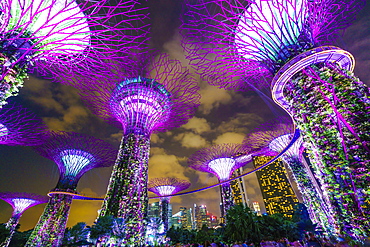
200	216
277	192
154	210
238	188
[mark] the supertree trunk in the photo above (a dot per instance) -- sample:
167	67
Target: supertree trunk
164	212
50	229
128	186
320	212
332	108
227	197
11	225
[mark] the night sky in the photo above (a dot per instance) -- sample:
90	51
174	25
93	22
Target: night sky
222	117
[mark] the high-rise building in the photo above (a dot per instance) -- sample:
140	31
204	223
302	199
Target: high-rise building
238	188
154	210
200	216
186	218
277	192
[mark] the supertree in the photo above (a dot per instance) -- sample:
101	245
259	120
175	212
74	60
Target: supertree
52	34
219	160
284	46
165	187
19	126
20	202
74	154
276	135
154	94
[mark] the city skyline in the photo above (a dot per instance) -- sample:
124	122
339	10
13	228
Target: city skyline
223	119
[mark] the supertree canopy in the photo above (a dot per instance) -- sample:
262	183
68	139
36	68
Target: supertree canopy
19	126
75	154
166	187
50	34
276	135
20	202
154	94
286	45
219	160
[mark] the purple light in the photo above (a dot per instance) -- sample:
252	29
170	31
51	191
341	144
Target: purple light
165	190
279	143
75	160
21	204
3	130
75	154
218	159
270	26
140	102
19	126
223	167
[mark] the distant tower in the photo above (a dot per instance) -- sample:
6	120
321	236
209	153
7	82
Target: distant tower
75	154
285	47
152	95
55	34
238	188
218	160
20	202
277	192
276	135
166	187
19	126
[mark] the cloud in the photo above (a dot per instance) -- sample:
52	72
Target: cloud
61	104
191	140
198	125
229	137
212	98
156	139
240	123
162	164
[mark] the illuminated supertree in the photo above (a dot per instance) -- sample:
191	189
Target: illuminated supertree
276	135
166	187
153	95
75	154
219	160
20	202
19	126
283	45
52	34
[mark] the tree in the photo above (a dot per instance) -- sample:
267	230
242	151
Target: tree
276	227
75	234
102	228
242	224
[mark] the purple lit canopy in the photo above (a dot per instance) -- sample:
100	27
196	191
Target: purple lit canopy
63	34
155	94
75	154
20	201
167	186
19	126
217	159
234	43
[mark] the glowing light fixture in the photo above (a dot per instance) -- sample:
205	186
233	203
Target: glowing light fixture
223	167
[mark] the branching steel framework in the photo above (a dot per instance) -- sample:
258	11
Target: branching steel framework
74	154
153	94
236	43
276	135
166	187
57	35
19	126
219	160
20	202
